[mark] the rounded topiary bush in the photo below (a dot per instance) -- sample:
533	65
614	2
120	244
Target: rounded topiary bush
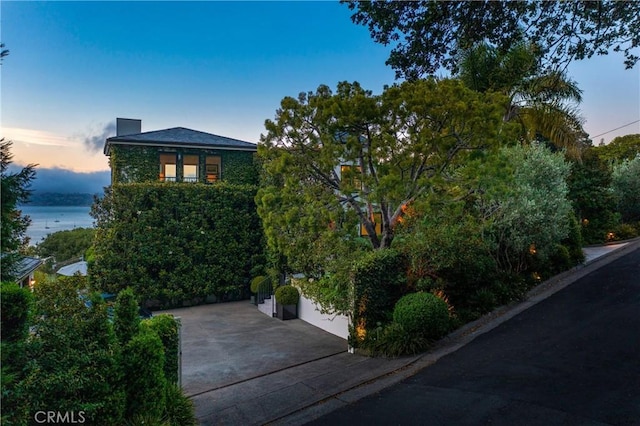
257	282
423	314
287	295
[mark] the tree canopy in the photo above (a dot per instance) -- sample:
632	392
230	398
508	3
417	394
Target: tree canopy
621	148
333	160
543	102
14	190
427	35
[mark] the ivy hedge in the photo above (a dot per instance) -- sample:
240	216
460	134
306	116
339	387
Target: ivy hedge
141	164
379	278
176	242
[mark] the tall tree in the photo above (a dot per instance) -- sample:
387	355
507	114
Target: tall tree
543	102
14	190
427	35
621	148
333	160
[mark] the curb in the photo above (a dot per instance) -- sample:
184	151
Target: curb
455	340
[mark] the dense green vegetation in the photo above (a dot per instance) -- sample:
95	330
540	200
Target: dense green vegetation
175	242
426	35
66	245
472	219
13	225
74	361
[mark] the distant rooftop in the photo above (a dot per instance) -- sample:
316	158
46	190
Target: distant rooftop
27	265
180	137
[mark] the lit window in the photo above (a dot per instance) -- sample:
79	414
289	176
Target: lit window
213	169
350	176
168	167
190	168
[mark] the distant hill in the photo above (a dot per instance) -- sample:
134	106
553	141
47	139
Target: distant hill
60	199
63	181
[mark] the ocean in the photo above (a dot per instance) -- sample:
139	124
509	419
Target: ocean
48	219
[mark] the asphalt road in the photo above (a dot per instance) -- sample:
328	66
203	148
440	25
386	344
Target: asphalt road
572	359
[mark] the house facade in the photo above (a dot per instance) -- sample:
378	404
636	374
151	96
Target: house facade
177	155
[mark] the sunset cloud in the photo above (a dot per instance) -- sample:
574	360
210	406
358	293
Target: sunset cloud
36	137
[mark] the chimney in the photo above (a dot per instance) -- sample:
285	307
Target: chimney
128	126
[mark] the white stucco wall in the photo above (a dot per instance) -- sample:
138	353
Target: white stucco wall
334	324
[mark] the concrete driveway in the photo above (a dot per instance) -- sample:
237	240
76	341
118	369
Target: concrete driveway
228	343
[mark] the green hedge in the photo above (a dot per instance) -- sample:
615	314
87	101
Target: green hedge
15	304
166	327
145	383
287	295
378	279
176	242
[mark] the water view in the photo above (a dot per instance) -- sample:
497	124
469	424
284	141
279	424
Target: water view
46	220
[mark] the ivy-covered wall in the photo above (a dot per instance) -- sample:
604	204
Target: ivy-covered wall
131	163
177	242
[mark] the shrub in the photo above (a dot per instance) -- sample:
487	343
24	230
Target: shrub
143	364
126	322
378	279
166	327
625	231
257	282
179	409
287	295
422	314
393	341
15	306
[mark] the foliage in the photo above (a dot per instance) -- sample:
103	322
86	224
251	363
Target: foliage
257	282
378	280
394	145
590	193
422	314
574	241
392	340
173	242
65	245
73	356
126	321
14	190
625	182
287	295
543	103
445	250
621	148
137	164
528	213
180	409
166	327
427	35
15	305
145	383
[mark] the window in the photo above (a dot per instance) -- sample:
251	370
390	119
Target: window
213	169
168	167
190	168
350	176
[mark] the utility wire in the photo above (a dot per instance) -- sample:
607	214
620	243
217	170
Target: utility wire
617	128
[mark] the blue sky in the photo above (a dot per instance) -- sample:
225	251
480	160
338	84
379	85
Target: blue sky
219	67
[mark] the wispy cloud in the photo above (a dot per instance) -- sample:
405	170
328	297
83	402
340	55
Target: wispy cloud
95	142
36	137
